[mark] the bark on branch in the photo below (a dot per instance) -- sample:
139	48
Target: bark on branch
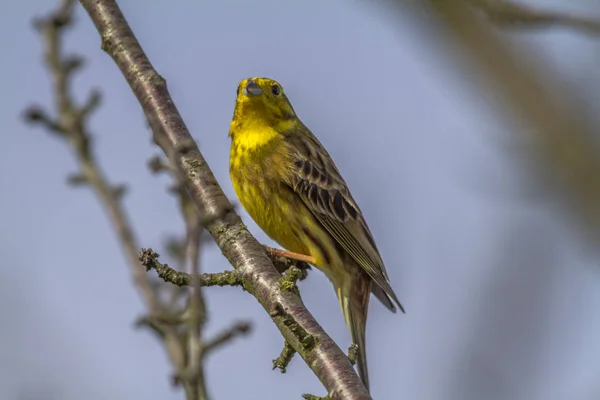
259	276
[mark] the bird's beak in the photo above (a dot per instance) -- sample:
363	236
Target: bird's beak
252	89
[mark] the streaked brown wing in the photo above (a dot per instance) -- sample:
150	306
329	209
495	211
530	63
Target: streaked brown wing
318	182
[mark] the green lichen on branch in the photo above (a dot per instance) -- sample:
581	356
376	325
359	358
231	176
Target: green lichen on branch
306	340
353	353
287	353
290	277
307	396
149	259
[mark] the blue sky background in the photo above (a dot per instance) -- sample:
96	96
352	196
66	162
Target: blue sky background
502	298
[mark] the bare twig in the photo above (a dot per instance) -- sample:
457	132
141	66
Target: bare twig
195	367
193	372
149	259
508	13
70	124
238	329
188	253
258	274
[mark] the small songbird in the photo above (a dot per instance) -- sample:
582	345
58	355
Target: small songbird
290	186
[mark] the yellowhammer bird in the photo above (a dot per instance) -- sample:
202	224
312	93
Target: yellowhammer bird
290	186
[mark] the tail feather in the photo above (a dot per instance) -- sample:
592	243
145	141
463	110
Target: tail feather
354	300
384	298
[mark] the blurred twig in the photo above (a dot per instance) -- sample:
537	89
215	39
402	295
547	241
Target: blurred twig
508	13
70	123
188	252
561	139
239	328
194	370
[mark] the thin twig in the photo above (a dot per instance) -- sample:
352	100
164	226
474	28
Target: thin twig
70	124
194	370
195	316
149	259
238	329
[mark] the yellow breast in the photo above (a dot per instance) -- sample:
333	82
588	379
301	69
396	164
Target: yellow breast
258	179
261	178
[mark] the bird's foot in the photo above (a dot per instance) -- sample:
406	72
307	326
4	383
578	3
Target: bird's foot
272	252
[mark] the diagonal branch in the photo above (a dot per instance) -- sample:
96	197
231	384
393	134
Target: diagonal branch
258	274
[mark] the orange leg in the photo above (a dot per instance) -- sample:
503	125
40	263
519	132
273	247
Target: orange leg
288	254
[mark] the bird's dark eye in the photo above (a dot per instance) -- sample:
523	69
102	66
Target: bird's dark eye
275	89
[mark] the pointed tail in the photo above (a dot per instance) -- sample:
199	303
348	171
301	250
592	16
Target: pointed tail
354	300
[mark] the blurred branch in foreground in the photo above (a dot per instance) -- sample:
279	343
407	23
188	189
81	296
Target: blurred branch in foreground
560	138
70	124
514	15
258	274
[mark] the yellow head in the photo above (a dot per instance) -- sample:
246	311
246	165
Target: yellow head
261	105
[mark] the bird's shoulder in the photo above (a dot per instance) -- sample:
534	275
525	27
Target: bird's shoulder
316	175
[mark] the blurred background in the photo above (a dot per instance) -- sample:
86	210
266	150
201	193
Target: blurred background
486	221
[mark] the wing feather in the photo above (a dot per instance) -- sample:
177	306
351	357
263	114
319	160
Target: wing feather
318	182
